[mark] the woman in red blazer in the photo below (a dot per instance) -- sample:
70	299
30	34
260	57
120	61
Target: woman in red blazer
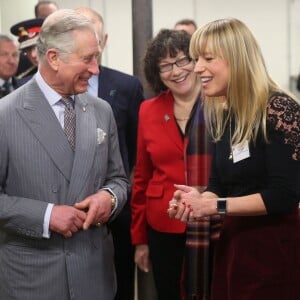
160	159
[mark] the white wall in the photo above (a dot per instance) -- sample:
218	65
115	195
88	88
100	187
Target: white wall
268	20
276	24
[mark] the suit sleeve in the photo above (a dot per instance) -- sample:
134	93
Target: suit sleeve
19	215
116	179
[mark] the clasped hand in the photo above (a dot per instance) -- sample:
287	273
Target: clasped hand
94	209
188	204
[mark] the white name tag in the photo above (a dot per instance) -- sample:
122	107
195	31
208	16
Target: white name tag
240	152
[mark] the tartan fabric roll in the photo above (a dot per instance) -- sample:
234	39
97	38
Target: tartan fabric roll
201	235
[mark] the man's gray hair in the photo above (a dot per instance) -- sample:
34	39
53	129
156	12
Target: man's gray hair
57	31
7	38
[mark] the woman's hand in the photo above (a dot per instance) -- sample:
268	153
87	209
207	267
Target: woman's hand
188	204
141	257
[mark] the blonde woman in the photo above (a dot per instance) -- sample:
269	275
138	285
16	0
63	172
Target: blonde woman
255	172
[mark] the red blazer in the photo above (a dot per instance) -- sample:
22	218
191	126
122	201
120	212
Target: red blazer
160	164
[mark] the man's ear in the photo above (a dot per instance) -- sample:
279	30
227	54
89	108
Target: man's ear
53	58
103	42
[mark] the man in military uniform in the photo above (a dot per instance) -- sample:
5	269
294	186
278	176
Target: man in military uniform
27	32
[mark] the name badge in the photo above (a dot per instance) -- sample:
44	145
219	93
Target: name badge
240	152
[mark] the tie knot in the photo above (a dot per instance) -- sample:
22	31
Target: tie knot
5	89
7	84
67	101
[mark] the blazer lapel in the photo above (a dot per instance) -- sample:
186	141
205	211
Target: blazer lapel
106	88
86	141
40	118
169	123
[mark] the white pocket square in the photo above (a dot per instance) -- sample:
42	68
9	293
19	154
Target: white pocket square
100	135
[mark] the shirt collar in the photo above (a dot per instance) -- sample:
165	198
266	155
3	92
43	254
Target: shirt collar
93	85
50	94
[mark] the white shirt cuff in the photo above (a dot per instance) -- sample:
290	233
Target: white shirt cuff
111	192
46	230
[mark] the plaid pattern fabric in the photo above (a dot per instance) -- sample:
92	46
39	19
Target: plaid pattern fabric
200	235
69	121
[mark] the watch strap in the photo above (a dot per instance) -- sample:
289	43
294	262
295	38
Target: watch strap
222	206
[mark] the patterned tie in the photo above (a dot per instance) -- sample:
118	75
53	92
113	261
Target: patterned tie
69	120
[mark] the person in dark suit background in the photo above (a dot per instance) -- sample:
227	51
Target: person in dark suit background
9	59
57	196
44	8
188	25
124	93
27	32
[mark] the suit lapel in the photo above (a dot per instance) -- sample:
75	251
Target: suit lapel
86	141
106	88
169	123
40	118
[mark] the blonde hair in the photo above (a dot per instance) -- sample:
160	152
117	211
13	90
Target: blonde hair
249	86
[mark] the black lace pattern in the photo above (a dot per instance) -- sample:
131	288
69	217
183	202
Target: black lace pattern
284	115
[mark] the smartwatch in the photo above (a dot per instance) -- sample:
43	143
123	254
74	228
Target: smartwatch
222	206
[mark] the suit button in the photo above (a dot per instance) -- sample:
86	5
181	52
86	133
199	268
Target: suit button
54	189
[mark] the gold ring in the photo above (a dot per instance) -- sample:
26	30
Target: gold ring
98	224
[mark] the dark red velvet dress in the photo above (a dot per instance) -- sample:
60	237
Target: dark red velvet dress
258	258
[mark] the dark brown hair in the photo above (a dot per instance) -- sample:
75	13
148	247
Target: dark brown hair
166	42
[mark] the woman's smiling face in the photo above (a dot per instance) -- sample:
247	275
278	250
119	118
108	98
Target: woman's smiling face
180	79
214	74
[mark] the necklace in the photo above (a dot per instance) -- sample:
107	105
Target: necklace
182	111
230	141
181	119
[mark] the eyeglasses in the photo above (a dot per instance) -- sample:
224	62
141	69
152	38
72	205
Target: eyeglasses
181	62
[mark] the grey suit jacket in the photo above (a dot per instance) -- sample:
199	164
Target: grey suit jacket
37	166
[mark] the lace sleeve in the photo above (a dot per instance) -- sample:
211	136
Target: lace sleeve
284	117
